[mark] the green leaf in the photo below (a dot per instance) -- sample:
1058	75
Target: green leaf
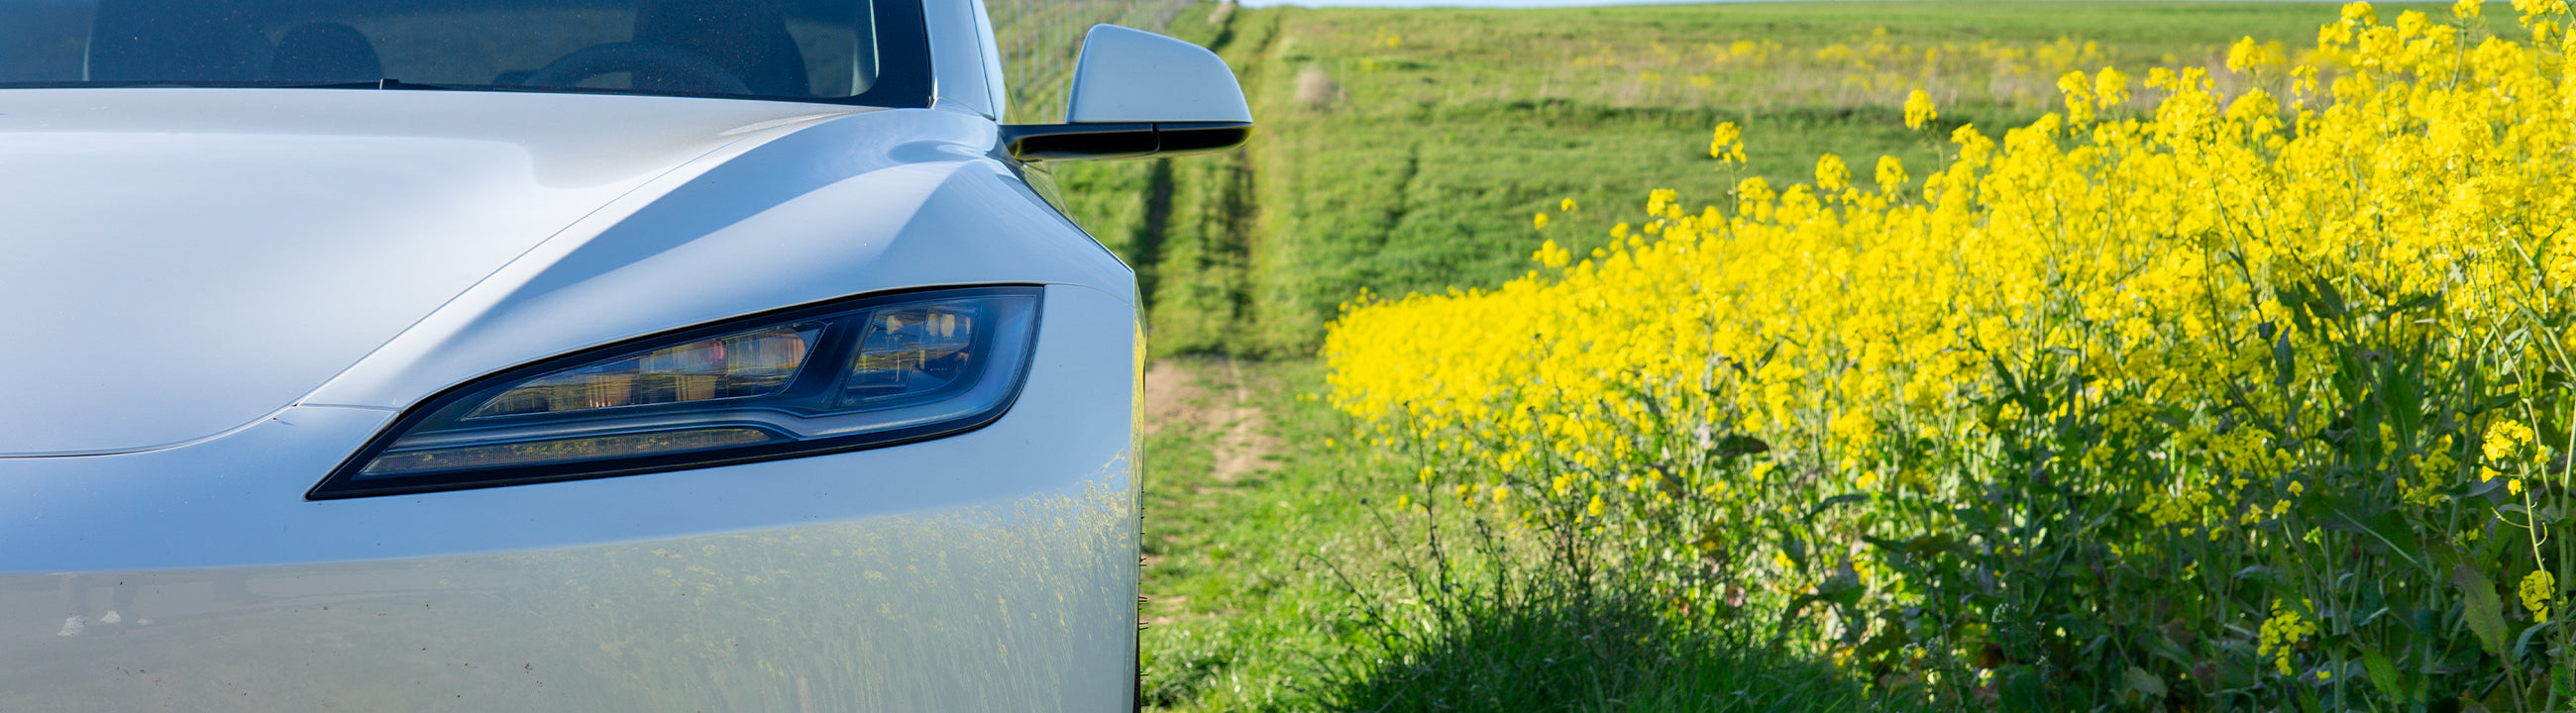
2146	684
1842	588
1932	544
2348	384
2485	611
2523	642
1919	545
2383	528
2023	691
2285	365
1976	519
2295	300
2444	554
1732	446
1892	639
2405	399
2383	673
2163	647
1828	503
2414	302
1795	548
2330	300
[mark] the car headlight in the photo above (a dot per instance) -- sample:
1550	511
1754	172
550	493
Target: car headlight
862	373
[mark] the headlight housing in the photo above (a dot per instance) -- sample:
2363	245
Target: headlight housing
863	373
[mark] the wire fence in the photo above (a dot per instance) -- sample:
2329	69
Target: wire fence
1040	38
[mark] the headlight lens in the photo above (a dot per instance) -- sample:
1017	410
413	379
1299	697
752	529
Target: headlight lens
855	374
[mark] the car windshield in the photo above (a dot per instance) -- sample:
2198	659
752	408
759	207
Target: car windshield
845	51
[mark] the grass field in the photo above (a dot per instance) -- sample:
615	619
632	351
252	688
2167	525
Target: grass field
1437	134
1409	150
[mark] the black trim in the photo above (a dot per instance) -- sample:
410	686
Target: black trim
343	482
1075	142
1064	142
904	78
1196	136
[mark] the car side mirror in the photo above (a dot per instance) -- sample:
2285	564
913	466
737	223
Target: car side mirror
1136	93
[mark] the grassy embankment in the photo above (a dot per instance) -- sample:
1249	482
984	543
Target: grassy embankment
1408	150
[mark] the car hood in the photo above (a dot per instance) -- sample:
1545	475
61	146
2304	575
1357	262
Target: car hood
182	262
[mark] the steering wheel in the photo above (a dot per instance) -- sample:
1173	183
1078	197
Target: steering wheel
688	70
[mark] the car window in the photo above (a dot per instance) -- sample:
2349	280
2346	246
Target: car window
854	51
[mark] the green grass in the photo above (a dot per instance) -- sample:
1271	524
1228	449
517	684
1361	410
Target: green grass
1451	128
1241	614
1282	588
1543	653
1447	131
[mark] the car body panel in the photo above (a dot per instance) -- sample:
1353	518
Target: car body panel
482	243
959	42
237	289
306	228
779	225
987	571
1132	76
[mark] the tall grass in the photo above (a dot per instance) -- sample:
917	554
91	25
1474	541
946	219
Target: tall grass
1480	622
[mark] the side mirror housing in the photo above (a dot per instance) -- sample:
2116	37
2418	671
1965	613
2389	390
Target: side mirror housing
1136	93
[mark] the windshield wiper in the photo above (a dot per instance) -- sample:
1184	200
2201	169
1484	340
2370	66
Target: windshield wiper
386	83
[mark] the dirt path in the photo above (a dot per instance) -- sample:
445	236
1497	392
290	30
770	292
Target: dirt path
1214	395
1205	403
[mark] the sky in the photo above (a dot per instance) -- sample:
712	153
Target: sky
1466	3
1458	3
1472	3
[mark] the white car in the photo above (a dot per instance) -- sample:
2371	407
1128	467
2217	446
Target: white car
532	355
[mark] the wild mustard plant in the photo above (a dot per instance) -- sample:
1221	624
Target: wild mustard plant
2074	421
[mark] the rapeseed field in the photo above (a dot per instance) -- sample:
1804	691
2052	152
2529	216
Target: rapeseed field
2210	388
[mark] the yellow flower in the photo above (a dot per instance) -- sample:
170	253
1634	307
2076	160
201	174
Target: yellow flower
2281	633
2153	253
1726	144
2538	590
1891	174
2504	443
1552	256
1831	175
1540	221
2110	86
2245	55
1918	109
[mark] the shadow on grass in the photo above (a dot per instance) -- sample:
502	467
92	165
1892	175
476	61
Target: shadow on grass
1578	654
